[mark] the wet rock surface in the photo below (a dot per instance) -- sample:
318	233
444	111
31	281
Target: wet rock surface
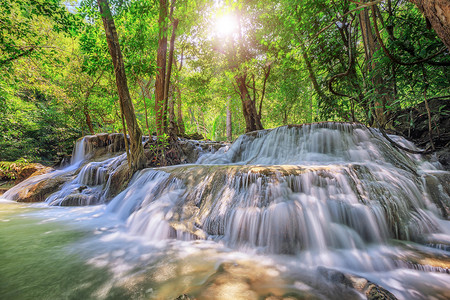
371	290
42	189
101	179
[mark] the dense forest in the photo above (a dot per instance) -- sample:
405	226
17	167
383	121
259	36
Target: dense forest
213	68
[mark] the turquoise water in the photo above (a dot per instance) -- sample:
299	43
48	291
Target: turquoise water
85	253
36	258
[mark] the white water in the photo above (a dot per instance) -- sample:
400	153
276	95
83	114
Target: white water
331	196
317	187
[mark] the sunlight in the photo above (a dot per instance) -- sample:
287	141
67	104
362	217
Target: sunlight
226	25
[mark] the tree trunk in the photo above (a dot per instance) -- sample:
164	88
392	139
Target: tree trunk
167	87
229	124
193	119
137	158
172	130
201	122
266	76
382	94
252	119
169	65
85	108
437	13
145	95
180	122
88	120
161	65
312	75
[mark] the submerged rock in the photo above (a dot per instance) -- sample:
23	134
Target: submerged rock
371	290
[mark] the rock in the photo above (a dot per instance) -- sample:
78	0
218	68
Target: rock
371	290
191	149
115	142
103	145
98	148
375	292
42	171
438	187
77	200
31	170
41	190
193	136
118	180
22	171
184	297
443	156
190	152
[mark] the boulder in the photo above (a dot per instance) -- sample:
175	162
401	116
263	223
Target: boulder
118	180
22	171
31	170
41	190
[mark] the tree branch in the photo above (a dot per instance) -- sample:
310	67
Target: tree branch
17	56
350	63
396	60
362	5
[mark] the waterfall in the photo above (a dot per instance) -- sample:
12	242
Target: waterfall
295	188
83	182
79	151
321	211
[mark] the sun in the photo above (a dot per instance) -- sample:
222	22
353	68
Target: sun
226	25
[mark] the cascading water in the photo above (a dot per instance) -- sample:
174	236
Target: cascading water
315	211
315	187
81	183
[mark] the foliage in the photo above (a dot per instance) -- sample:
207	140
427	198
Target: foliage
9	170
57	81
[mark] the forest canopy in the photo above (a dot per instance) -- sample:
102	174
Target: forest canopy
215	68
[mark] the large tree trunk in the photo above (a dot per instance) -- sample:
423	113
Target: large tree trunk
167	88
252	119
437	13
180	123
169	65
161	64
370	47
136	158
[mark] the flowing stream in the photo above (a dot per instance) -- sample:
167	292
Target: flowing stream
319	211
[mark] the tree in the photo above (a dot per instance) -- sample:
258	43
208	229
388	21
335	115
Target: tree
164	72
18	35
437	13
137	159
244	54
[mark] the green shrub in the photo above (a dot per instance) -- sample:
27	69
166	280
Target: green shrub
10	170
